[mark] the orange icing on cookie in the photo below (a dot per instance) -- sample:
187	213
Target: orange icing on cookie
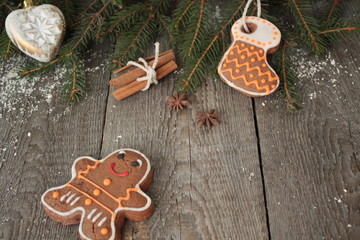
249	69
104	231
94	200
88	168
55	194
247	83
88	201
248	53
107	182
97	192
128	191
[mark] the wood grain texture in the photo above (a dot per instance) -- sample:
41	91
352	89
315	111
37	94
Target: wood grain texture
207	183
311	158
40	146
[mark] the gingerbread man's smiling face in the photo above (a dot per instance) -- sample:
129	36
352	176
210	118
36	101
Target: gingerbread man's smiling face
120	171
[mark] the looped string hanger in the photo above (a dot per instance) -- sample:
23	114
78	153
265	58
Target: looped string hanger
245	12
151	76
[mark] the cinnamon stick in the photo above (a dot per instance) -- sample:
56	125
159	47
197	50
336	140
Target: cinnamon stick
131	73
137	86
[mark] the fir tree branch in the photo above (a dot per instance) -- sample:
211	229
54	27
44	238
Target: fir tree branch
84	15
74	83
339	30
291	101
74	90
120	17
31	71
186	81
83	35
201	12
332	10
7	6
125	53
179	19
7	52
69	10
162	21
88	7
305	21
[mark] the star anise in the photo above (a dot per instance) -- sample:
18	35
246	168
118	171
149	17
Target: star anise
207	119
178	102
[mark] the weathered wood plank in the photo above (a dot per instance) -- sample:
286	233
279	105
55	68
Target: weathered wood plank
40	137
207	184
311	158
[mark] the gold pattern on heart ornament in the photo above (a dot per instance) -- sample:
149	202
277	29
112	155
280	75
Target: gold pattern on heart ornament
37	31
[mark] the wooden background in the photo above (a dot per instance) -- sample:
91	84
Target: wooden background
264	173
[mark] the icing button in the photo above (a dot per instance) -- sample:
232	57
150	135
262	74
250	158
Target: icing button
88	201
96	192
104	231
55	194
107	182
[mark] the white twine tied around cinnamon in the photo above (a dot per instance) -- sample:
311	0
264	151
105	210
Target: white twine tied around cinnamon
150	70
245	12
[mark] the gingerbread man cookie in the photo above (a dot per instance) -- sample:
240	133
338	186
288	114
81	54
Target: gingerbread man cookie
102	194
244	66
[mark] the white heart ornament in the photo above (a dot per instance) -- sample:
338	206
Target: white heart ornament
37	31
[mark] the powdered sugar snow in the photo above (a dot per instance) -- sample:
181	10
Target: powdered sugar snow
25	94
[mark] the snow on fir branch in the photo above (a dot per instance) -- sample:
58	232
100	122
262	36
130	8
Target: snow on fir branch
190	25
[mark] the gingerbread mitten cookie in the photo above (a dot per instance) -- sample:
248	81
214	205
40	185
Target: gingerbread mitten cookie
244	66
102	194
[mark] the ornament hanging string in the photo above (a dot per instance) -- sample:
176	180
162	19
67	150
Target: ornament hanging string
151	76
245	12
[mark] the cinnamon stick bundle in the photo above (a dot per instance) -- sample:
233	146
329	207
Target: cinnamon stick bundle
136	86
131	73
